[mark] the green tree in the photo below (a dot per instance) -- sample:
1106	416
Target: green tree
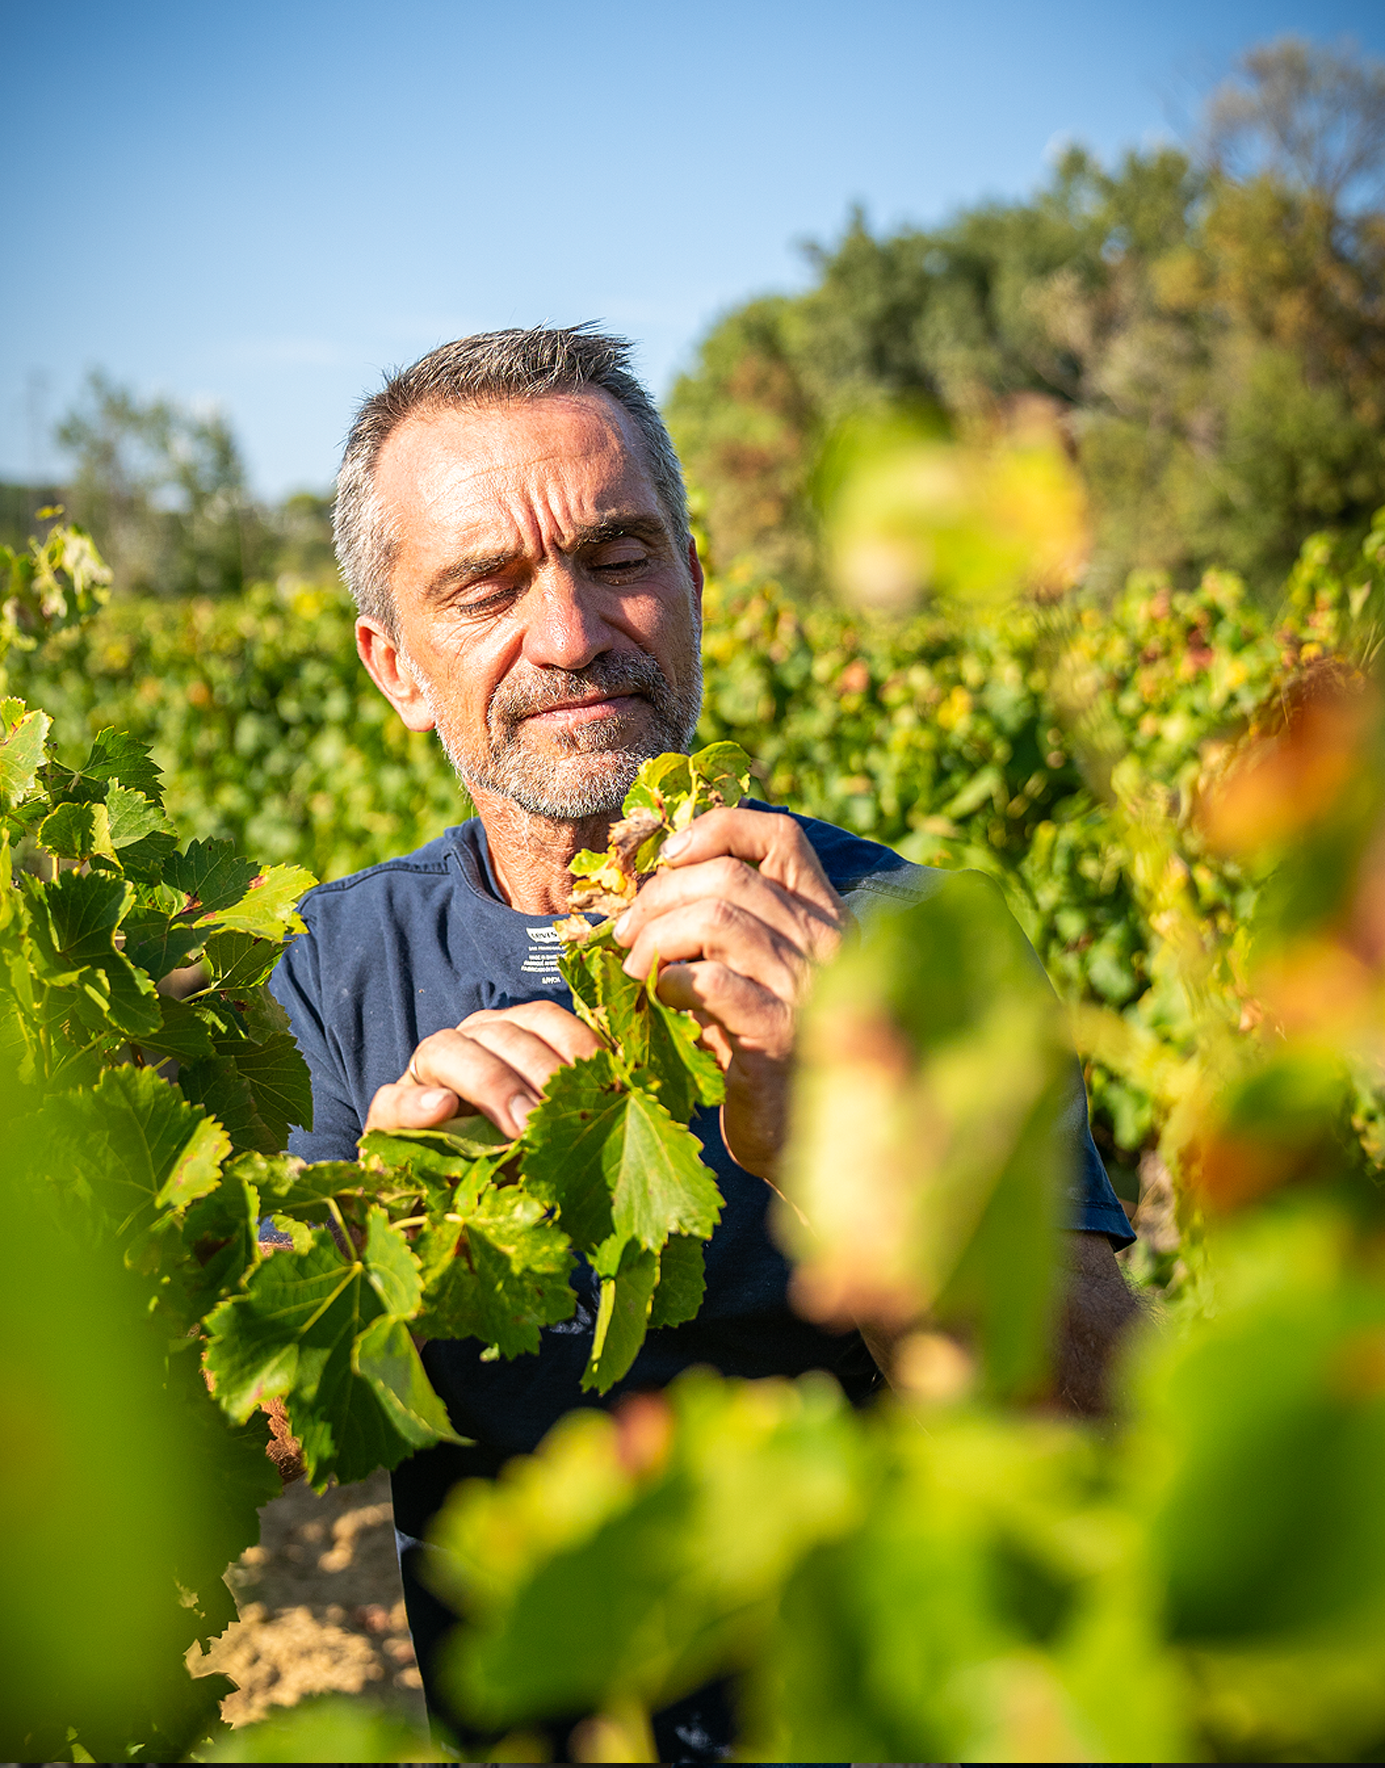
1209	332
163	490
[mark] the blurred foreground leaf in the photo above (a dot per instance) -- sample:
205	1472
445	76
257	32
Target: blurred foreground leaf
327	1729
926	1174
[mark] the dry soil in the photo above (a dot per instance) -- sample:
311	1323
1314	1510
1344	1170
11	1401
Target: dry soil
321	1608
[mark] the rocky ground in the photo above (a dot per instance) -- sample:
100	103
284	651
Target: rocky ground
321	1608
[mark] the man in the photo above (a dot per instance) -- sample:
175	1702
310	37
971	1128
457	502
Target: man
512	521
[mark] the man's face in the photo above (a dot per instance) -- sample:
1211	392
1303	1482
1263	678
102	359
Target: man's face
545	611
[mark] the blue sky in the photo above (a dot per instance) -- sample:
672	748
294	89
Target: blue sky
262	206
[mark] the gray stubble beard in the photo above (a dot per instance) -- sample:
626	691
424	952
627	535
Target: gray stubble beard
539	784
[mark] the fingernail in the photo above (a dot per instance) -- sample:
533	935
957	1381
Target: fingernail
434	1098
621	924
674	845
520	1107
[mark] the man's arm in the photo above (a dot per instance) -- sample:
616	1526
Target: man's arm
1098	1309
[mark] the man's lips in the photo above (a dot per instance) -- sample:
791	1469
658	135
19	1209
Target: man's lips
583	711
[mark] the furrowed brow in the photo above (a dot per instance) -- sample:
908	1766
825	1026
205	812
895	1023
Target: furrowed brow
462	572
638	525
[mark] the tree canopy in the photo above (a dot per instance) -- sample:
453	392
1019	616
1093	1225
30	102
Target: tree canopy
1208	326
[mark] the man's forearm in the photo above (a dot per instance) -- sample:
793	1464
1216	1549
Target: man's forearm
1097	1310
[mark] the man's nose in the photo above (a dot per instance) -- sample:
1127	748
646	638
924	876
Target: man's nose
565	629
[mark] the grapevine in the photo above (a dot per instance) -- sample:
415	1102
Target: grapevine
454	1233
153	1081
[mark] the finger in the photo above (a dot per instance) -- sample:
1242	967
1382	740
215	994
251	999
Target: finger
562	1030
804	923
404	1105
768	839
479	1076
751	1016
526	1053
723	933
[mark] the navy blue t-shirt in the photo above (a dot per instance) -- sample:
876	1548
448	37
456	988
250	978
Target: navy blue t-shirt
413	946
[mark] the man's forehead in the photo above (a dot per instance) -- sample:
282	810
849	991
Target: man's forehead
460	468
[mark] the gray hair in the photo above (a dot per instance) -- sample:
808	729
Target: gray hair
487	369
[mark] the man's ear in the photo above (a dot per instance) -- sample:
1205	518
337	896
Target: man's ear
391	674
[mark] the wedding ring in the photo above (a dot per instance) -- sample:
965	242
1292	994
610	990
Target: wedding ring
414	1075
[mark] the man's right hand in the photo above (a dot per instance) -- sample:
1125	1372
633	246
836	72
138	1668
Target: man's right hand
497	1061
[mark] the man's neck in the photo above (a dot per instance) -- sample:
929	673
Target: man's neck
529	854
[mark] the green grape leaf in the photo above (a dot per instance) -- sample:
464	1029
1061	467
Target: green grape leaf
223	1090
311	1302
22	738
613	1002
183	1034
235	1477
419	1151
450	1171
269	906
280	1082
240	960
220	1233
257	1082
291	1187
657	1181
578	971
210	876
261	1017
319	1330
77	831
73	922
144	858
613	1160
391	1268
682	1282
299	1235
622	1315
386	1358
76	916
684	1074
500	1277
118	756
132	817
139	1146
564	1145
721	770
156	942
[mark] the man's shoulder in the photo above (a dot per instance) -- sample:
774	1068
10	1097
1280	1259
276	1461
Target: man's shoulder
857	867
364	891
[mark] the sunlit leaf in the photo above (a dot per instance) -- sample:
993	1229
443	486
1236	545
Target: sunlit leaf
77	831
22	737
622	1316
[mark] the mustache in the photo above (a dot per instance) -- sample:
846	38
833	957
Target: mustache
616	672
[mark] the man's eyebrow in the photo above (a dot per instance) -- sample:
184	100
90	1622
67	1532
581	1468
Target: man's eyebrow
464	571
638	525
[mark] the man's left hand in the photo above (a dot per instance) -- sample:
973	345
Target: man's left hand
738	919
